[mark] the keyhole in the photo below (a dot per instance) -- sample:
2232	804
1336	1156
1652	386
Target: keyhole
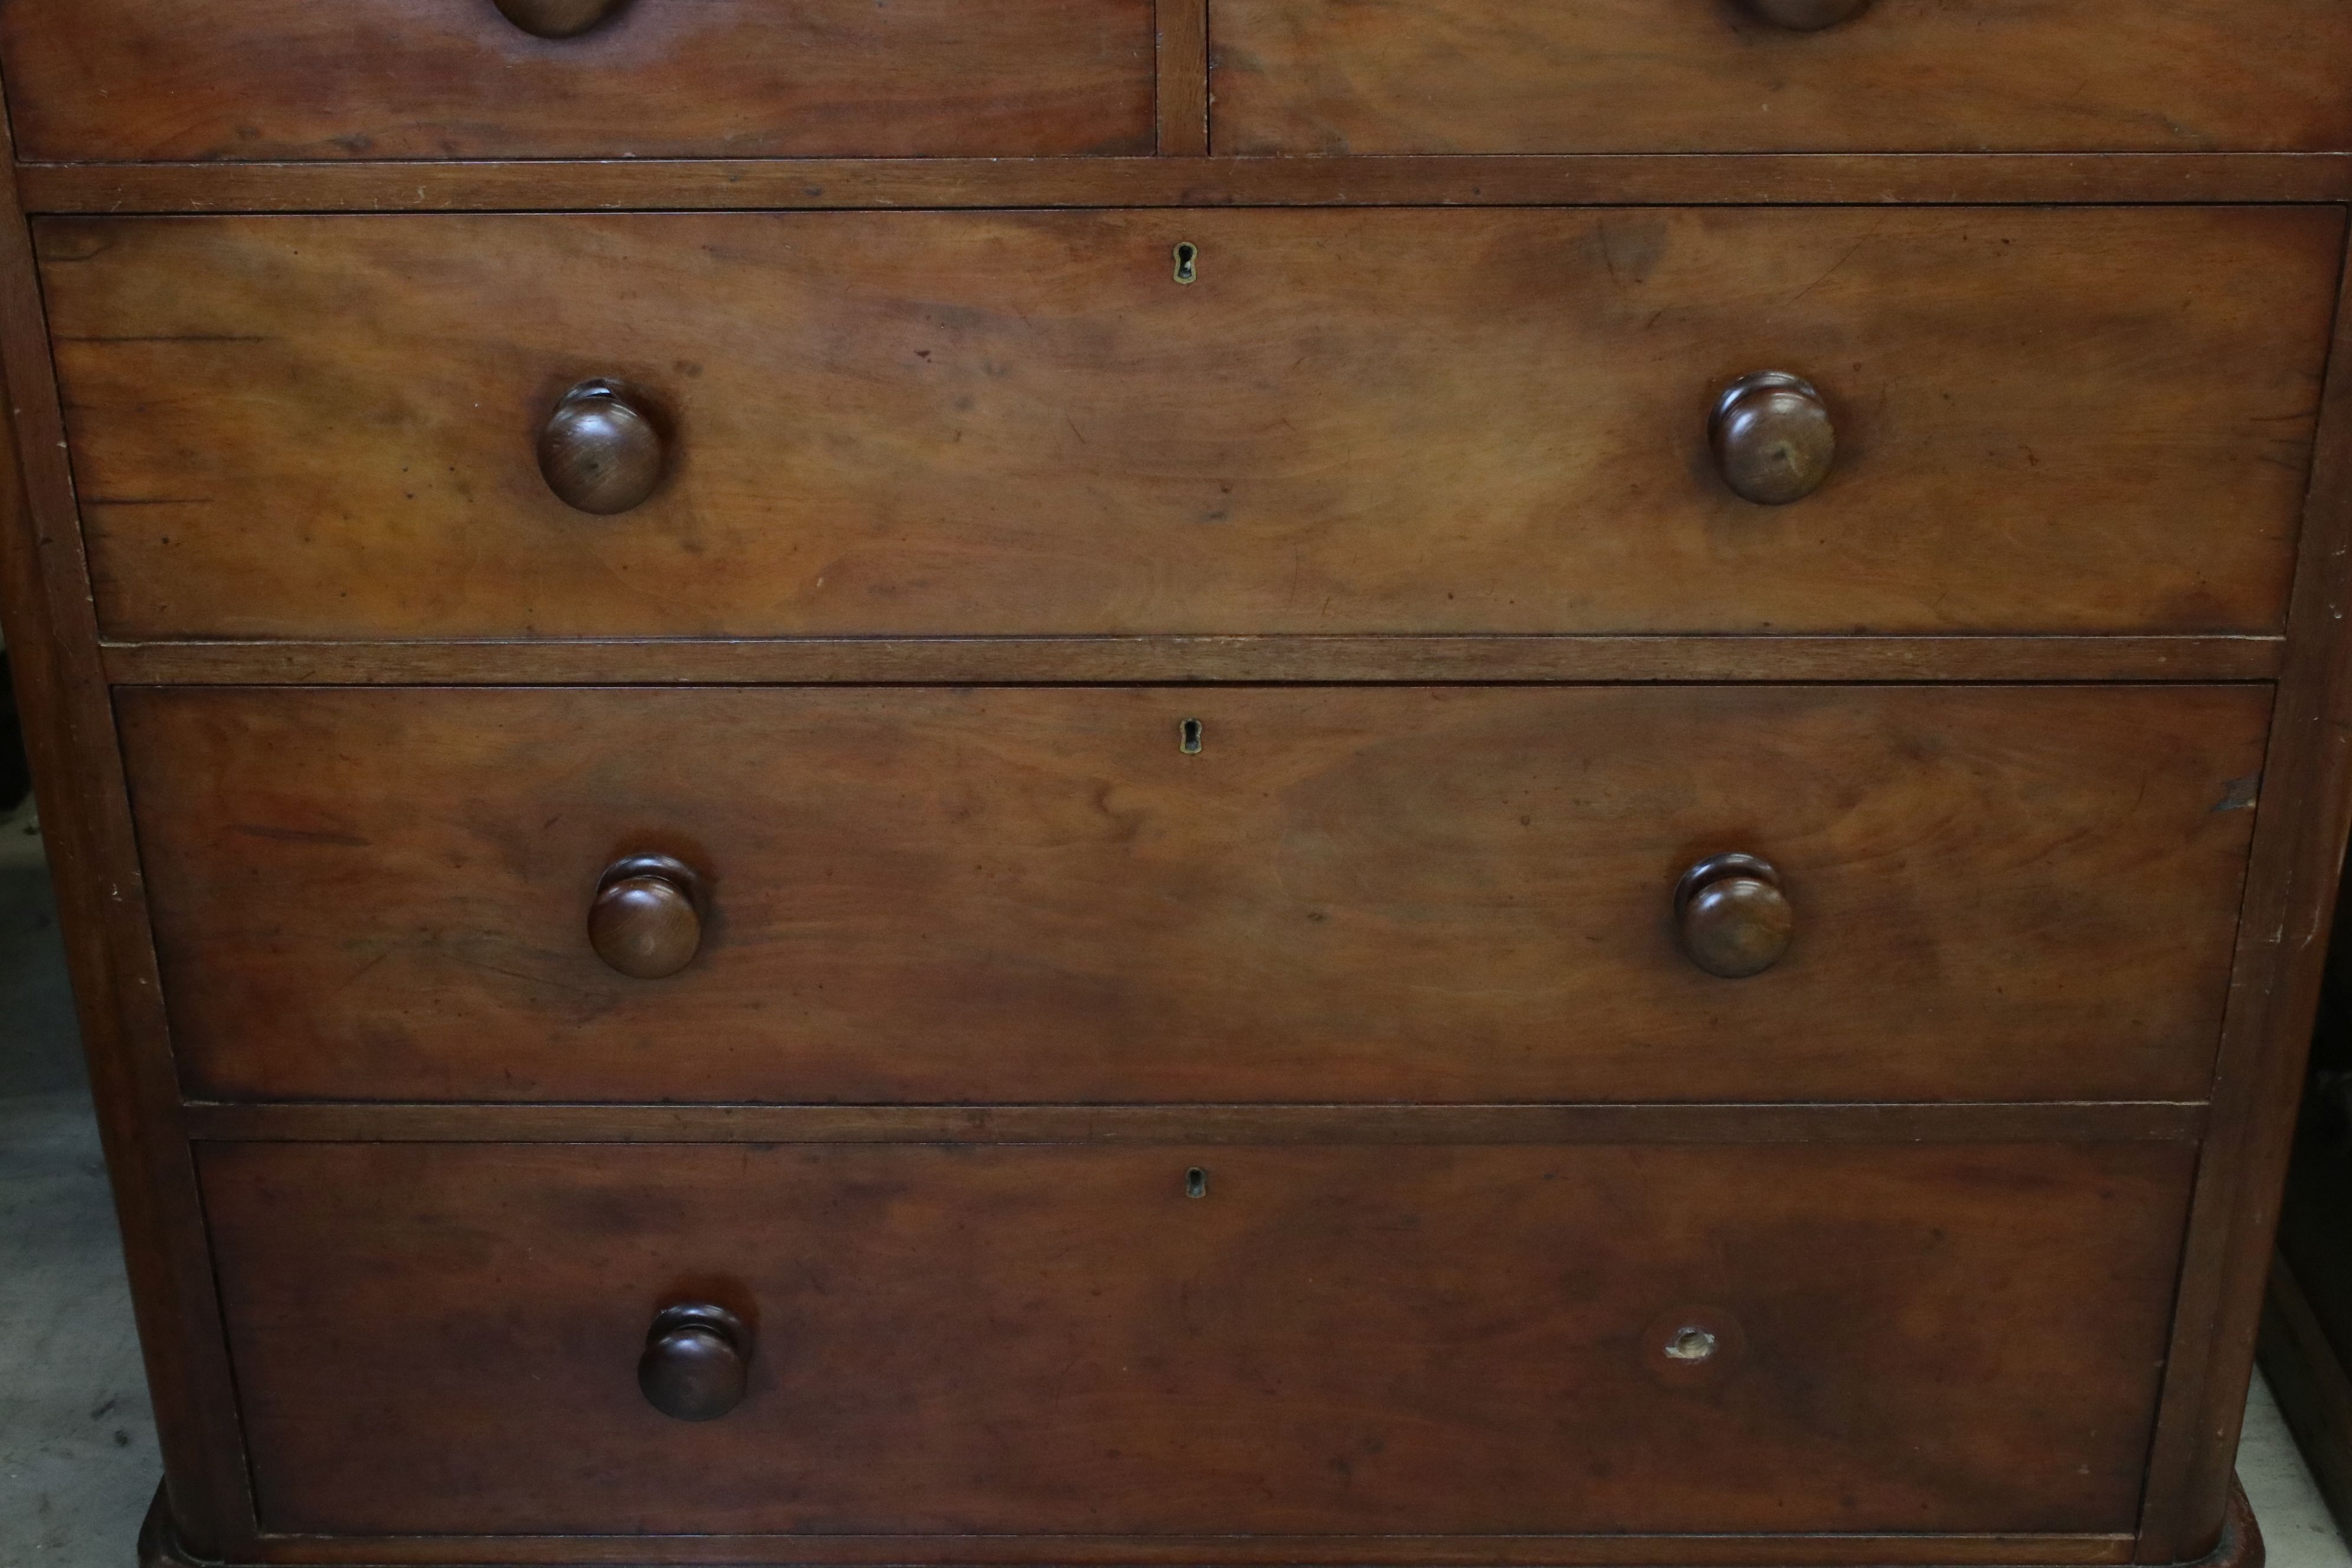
1186	253
1189	732
1196	1183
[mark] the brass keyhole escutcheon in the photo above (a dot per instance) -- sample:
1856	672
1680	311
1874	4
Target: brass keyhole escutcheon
1187	254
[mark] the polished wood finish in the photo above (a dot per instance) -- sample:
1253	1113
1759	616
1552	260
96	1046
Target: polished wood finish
1735	921
697	1363
1773	437
601	450
2064	1122
1251	453
1349	894
1806	16
988	1341
558	18
646	920
998	661
1714	76
766	183
69	732
238	80
2289	905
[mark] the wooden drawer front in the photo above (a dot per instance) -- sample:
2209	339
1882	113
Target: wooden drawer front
2086	420
1331	1340
1699	75
96	79
1456	894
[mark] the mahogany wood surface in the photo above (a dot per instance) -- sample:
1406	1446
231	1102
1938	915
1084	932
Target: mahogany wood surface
1667	76
1425	421
1358	894
245	80
762	184
1359	1339
2290	901
2065	1122
1149	660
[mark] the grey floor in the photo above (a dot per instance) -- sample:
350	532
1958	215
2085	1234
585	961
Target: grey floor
77	1436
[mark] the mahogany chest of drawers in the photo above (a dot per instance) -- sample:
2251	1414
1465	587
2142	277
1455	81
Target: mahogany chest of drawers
1188	782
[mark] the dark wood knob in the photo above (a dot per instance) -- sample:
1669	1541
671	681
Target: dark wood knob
697	1358
1772	437
648	918
558	18
601	450
1735	920
1806	16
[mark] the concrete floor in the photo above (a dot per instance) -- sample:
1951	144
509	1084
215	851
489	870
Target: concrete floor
78	1459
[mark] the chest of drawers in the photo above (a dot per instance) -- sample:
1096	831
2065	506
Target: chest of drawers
1129	782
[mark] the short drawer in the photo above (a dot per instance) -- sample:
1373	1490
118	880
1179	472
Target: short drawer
1325	1341
1731	75
265	80
1103	895
819	424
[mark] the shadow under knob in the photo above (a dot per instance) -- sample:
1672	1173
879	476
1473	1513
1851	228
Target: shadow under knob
1806	16
1735	921
1772	437
558	18
698	1359
647	920
600	451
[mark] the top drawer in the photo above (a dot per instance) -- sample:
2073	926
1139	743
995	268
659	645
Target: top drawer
459	79
1695	75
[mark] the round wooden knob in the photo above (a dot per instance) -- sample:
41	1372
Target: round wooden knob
697	1358
1806	16
601	450
1735	920
557	18
1772	437
648	918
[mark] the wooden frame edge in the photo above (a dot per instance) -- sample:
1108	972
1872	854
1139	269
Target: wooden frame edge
77	775
2299	840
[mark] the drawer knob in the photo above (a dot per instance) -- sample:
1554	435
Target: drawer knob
1806	16
601	450
696	1358
1735	920
1772	437
557	18
648	918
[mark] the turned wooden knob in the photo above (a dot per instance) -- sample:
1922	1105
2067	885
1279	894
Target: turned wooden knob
696	1358
1772	437
648	918
1735	920
558	18
601	450
1806	16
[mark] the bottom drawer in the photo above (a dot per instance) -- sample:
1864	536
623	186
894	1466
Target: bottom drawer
1130	1340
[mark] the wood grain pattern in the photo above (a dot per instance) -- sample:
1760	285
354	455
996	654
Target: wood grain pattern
70	738
778	183
1331	1341
998	661
1349	894
235	79
2050	421
2290	904
2072	1122
1709	75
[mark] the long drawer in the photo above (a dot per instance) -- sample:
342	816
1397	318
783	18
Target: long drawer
262	79
1456	894
1723	76
1305	1341
1404	421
